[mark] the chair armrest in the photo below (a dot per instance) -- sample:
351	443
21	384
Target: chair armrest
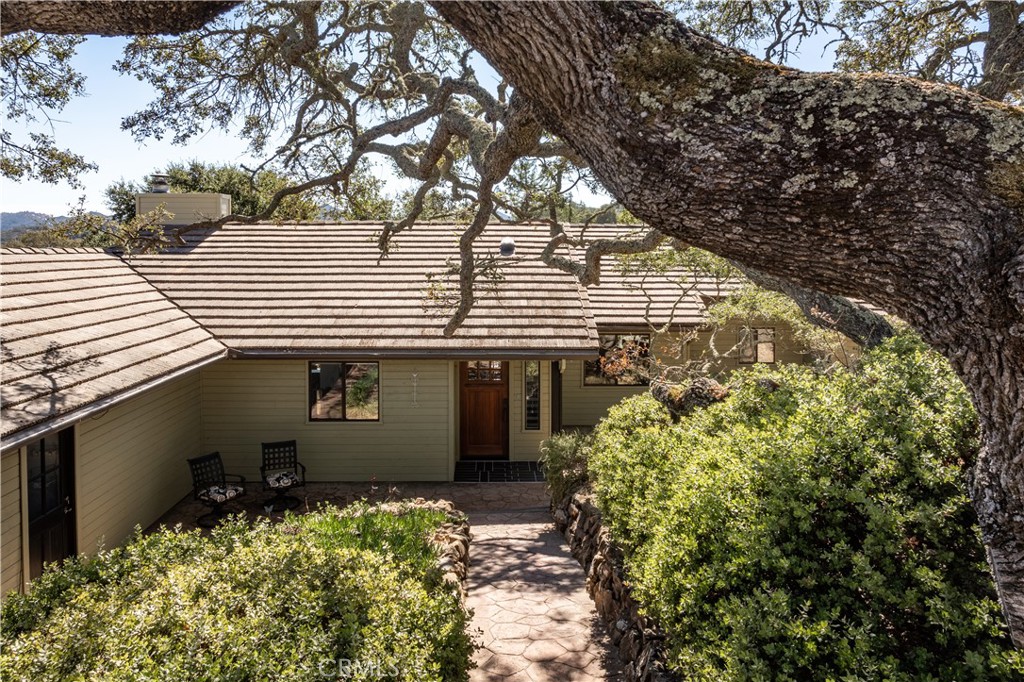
303	467
240	479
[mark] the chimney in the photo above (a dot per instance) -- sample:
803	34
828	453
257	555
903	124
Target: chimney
186	208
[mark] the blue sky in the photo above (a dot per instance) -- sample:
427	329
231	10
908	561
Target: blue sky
90	126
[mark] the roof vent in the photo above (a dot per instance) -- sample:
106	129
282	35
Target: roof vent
158	183
508	247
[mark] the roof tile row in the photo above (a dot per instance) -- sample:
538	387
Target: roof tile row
81	325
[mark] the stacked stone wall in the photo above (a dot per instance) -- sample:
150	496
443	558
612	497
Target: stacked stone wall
639	640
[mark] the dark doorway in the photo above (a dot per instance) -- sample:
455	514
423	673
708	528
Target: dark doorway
483	409
51	491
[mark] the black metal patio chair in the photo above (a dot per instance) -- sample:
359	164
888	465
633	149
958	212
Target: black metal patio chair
213	487
282	473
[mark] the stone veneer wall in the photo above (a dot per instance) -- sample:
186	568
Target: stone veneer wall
640	641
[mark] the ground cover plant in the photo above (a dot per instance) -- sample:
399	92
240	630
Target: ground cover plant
337	594
809	527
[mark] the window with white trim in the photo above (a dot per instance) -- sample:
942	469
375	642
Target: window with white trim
758	345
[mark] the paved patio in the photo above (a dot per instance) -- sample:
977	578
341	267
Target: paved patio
467	497
536	620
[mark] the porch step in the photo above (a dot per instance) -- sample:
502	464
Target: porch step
497	471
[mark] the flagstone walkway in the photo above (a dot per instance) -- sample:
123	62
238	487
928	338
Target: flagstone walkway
529	600
537	622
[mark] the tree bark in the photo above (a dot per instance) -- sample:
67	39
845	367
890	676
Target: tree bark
108	17
1003	60
837	313
901	193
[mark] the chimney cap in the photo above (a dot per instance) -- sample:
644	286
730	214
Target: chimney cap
158	183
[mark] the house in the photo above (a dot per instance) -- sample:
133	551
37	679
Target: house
117	369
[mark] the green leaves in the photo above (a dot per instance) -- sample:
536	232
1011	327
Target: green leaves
817	530
37	81
37	74
285	602
946	42
564	456
250	193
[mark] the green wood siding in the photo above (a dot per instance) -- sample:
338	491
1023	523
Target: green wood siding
246	402
10	528
130	462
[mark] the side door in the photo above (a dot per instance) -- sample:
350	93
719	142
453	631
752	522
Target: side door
51	504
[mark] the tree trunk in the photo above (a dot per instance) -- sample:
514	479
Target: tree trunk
108	17
901	193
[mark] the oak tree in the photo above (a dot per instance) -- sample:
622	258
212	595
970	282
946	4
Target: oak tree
905	193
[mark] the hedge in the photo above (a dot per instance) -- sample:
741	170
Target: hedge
349	593
810	527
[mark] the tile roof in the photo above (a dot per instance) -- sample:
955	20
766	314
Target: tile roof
321	288
81	326
78	326
631	299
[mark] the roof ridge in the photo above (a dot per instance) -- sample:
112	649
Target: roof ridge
53	250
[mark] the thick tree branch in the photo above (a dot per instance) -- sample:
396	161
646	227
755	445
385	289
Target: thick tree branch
519	136
588	272
1003	59
108	17
836	313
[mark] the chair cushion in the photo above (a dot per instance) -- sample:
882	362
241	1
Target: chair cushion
220	494
282	479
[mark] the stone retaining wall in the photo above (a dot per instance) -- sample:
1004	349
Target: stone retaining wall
452	538
640	642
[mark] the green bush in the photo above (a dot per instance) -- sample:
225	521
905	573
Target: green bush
810	527
564	458
353	594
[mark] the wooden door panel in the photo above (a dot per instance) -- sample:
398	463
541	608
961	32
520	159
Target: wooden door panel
483	416
483	421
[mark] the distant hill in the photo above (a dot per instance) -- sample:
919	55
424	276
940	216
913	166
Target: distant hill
11	221
17	223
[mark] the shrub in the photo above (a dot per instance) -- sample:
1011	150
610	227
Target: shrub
320	596
810	527
564	458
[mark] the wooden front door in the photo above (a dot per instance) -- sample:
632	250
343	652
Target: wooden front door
51	509
483	411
